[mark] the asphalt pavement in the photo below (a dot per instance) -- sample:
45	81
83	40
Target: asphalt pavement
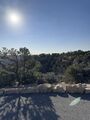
48	106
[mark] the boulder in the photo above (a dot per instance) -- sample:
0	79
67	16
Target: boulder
58	88
75	88
64	85
87	90
44	87
80	88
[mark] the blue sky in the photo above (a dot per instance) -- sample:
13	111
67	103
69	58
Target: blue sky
49	26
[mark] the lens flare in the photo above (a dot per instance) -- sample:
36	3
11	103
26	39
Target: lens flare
75	101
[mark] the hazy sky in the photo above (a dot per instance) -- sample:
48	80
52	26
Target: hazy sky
47	25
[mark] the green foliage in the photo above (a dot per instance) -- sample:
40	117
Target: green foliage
22	67
6	78
76	74
70	75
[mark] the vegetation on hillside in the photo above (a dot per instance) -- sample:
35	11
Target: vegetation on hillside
19	67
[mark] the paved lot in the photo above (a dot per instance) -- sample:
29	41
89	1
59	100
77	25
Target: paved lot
45	107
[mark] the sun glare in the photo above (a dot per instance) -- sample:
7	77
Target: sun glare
14	18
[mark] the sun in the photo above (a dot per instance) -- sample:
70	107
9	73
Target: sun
14	18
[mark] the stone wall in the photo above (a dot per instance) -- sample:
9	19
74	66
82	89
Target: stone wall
44	88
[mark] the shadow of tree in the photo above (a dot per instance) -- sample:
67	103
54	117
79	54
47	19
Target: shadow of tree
27	107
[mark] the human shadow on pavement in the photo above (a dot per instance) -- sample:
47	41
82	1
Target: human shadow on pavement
27	107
